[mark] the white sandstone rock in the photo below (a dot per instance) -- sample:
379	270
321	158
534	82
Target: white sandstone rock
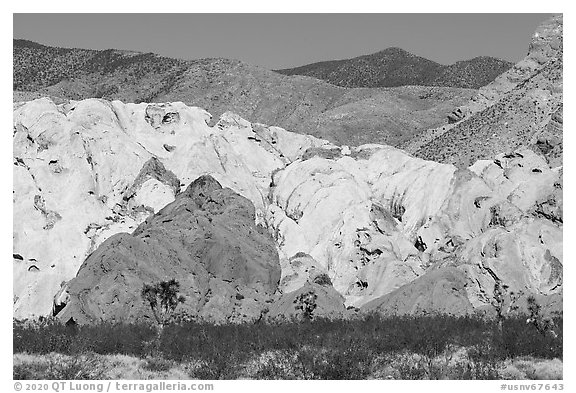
371	218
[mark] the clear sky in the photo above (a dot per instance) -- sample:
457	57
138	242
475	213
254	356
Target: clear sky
287	40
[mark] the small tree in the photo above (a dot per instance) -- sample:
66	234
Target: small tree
163	299
306	304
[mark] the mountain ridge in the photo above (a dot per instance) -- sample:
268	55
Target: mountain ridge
395	66
301	104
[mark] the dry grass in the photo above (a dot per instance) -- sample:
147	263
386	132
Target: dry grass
531	368
56	366
452	364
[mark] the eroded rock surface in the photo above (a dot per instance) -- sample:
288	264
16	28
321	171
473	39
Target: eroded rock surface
207	239
84	171
368	226
379	221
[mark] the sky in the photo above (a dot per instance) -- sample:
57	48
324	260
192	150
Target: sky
277	41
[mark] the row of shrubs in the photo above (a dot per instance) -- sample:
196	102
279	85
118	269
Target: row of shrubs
348	346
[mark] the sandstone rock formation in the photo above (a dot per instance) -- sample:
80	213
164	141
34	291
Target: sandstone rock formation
86	170
207	239
379	221
368	226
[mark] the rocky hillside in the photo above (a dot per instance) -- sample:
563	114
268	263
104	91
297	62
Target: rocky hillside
522	107
299	104
397	67
98	203
38	66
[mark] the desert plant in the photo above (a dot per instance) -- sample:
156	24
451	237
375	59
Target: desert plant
413	347
306	304
59	367
163	299
322	279
543	325
157	364
504	302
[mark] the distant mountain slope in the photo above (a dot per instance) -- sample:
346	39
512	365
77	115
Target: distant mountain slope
38	66
397	67
473	73
522	107
515	120
300	104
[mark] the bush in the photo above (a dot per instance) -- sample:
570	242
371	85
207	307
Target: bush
318	349
158	364
322	279
59	367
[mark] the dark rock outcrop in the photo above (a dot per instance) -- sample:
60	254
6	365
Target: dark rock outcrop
153	169
456	115
206	239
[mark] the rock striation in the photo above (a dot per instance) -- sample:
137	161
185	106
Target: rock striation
380	222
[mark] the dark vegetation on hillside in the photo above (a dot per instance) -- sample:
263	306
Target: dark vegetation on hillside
396	67
318	349
37	66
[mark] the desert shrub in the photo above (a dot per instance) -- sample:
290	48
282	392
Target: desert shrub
306	304
322	279
157	364
219	367
274	365
337	363
103	338
523	339
318	349
59	367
